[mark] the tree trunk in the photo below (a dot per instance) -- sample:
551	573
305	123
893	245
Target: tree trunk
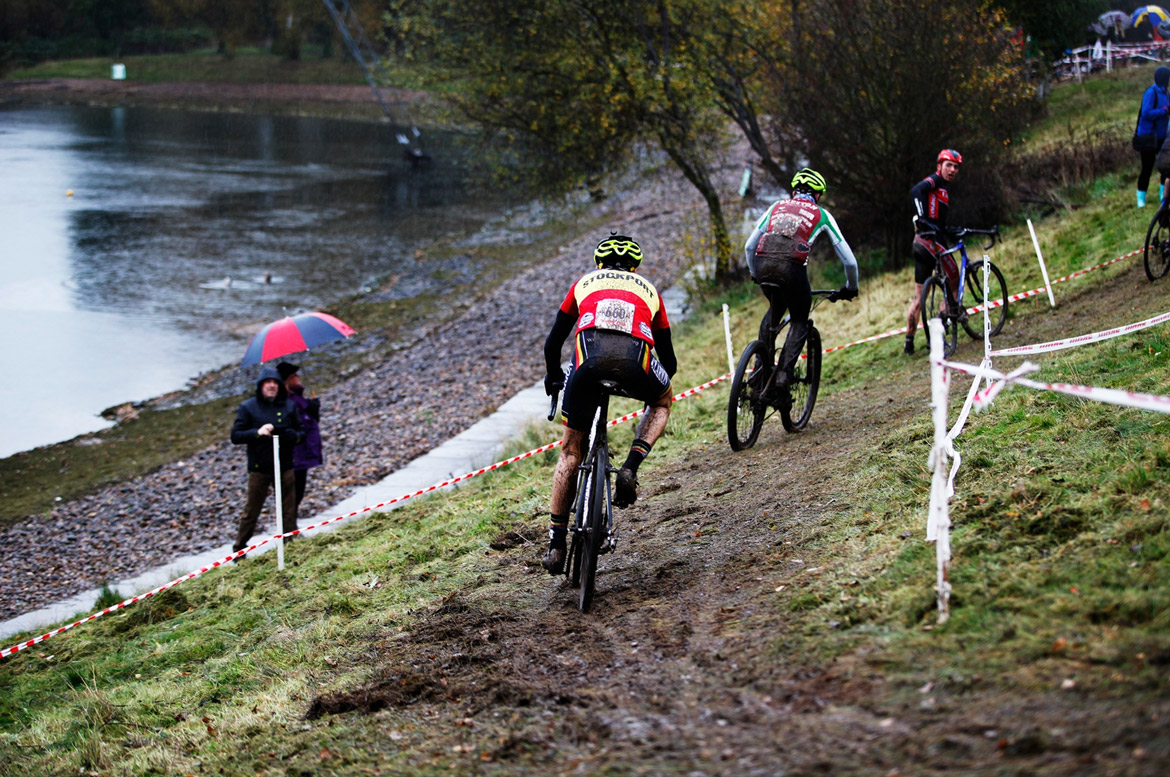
696	172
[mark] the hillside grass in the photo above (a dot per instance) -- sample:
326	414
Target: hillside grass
1103	102
1060	563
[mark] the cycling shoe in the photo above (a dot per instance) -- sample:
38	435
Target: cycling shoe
554	559
625	492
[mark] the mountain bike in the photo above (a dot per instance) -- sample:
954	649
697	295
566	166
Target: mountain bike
592	534
937	301
754	393
1157	253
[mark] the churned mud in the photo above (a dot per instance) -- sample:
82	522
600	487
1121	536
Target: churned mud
683	666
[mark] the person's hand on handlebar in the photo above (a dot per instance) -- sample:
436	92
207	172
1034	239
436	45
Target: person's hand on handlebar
844	293
553	384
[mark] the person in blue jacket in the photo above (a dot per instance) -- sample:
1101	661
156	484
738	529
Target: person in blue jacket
1152	120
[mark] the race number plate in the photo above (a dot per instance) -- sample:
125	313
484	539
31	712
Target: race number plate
616	314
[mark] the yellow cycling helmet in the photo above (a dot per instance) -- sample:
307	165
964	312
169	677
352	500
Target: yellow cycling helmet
618	251
809	179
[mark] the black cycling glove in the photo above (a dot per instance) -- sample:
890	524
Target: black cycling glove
553	384
844	292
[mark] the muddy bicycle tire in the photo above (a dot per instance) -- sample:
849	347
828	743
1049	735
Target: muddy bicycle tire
596	502
932	304
996	290
745	405
1157	260
806	380
573	559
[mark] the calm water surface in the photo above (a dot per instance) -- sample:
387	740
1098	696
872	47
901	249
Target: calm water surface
184	233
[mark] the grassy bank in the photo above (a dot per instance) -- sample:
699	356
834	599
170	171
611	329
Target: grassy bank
1061	560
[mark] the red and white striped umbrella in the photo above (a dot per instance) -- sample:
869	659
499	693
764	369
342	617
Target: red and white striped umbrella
293	334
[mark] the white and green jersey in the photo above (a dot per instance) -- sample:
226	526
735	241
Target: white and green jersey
788	230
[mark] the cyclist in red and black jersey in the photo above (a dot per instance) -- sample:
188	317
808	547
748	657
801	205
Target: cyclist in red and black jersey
931	200
619	321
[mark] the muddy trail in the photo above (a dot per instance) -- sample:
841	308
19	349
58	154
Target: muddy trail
688	664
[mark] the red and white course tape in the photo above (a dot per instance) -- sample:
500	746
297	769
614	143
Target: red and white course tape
226	559
1162	404
1096	337
1134	399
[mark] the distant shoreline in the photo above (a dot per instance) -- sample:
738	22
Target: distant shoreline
353	102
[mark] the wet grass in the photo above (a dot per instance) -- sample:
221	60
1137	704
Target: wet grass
1061	556
1102	102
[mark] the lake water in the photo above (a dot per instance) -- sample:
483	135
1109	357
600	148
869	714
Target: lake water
184	233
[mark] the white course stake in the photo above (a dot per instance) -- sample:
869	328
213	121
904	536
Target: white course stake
727	332
1043	269
987	314
938	522
279	500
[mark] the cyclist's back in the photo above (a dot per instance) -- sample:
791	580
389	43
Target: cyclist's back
619	321
777	256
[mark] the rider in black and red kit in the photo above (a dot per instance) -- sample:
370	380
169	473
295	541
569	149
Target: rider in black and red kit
931	200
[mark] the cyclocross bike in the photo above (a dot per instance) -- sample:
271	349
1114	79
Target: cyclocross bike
754	394
937	301
592	534
1157	253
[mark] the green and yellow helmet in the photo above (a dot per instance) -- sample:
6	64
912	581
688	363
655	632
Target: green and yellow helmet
810	179
618	251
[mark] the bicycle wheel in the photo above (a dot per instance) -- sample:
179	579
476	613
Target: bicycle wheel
996	290
933	305
1157	253
806	379
745	406
595	527
580	510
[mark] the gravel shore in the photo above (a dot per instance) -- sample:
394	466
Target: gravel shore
372	423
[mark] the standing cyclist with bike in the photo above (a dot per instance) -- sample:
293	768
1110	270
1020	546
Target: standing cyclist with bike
931	200
618	318
777	257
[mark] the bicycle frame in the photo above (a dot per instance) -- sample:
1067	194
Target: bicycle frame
961	247
964	263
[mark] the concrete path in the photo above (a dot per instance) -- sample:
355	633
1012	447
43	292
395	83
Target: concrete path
476	447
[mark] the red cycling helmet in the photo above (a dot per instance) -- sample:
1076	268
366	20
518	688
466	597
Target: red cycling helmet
949	155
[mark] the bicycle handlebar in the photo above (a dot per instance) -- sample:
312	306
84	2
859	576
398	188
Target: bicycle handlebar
552	408
993	233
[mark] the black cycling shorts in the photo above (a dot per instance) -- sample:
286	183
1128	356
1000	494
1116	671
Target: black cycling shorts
924	258
605	355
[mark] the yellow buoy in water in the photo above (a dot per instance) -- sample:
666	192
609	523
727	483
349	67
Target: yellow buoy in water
69	193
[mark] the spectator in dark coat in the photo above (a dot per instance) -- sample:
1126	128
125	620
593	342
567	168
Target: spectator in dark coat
308	453
258	419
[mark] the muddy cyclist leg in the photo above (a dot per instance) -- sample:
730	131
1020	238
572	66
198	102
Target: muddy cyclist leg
564	490
650	428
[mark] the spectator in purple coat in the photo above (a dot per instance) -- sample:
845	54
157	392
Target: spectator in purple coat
307	454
